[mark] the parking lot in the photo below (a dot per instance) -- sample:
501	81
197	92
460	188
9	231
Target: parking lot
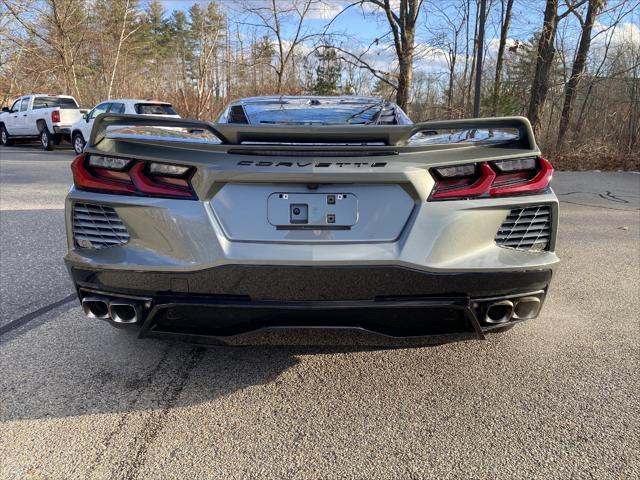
555	397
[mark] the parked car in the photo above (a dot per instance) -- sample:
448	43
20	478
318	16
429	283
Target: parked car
312	212
47	117
81	130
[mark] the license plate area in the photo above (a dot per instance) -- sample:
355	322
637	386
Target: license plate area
335	211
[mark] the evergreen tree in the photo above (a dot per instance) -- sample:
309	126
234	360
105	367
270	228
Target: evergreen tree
328	73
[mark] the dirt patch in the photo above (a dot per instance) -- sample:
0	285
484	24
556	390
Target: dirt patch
581	161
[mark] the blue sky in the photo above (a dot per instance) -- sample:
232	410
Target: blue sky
358	27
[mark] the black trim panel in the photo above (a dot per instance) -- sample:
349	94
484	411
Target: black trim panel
311	283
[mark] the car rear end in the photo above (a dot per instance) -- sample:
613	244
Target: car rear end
404	231
62	112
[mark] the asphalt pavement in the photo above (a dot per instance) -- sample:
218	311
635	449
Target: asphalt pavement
556	397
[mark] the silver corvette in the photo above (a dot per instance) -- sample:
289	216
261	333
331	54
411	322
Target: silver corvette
311	212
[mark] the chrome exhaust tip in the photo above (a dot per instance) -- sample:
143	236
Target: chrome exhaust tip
95	307
526	308
499	312
124	311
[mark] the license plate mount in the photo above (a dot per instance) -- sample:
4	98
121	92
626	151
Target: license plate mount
337	210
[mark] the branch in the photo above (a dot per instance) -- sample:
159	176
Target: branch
571	8
379	74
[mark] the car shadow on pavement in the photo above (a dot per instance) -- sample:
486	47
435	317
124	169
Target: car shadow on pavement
36	145
72	366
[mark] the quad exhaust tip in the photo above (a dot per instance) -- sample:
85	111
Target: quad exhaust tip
124	311
95	307
116	310
499	312
526	308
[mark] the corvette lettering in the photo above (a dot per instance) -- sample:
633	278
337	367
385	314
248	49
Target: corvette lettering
262	163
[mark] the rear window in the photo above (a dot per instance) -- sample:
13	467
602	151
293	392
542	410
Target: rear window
312	113
48	102
154	109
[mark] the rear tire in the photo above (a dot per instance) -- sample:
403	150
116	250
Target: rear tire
78	142
46	139
4	137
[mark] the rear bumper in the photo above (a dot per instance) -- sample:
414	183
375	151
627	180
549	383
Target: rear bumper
62	130
387	302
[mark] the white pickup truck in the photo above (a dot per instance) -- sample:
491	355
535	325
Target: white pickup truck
47	117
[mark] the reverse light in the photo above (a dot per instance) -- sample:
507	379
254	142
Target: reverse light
55	116
504	177
131	177
111	163
167	169
457	171
515	165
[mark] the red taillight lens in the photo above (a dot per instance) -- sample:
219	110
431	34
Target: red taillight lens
113	175
535	181
506	177
55	116
470	186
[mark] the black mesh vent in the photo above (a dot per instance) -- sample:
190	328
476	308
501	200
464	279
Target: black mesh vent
97	226
526	228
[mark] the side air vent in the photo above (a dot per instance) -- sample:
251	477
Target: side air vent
526	229
97	226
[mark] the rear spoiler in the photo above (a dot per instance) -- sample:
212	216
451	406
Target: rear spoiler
389	135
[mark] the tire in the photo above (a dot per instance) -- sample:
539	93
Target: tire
4	137
46	139
78	142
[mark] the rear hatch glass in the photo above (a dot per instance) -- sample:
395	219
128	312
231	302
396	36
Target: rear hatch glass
312	113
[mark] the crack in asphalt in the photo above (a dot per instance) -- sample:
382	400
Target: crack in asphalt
23	320
124	418
608	196
130	468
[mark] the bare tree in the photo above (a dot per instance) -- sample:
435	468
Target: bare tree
124	36
63	32
578	67
545	55
271	18
504	33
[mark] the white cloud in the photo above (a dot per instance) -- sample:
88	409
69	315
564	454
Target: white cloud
372	7
623	34
325	9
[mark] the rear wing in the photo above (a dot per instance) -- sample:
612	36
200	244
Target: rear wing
384	135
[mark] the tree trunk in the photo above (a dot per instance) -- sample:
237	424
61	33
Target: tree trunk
504	32
405	64
577	70
544	62
118	49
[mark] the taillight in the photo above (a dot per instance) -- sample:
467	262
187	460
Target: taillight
55	116
535	179
132	177
472	185
505	177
